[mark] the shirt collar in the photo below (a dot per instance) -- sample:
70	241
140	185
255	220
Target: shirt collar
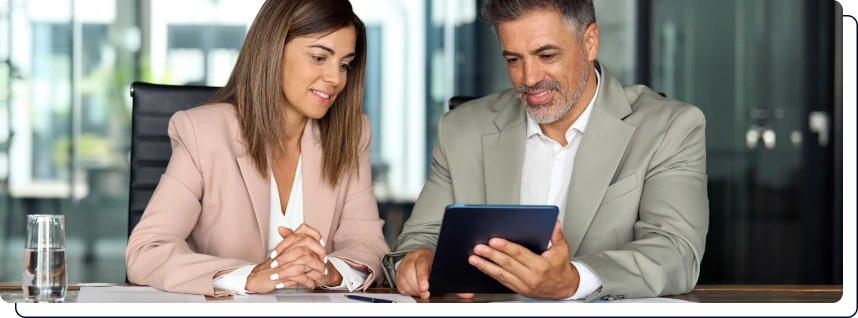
580	124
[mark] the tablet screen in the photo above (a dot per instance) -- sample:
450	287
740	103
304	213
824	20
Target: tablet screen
465	226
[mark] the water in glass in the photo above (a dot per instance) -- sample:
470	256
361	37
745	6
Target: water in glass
45	278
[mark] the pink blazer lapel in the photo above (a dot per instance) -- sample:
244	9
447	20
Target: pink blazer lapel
319	197
259	189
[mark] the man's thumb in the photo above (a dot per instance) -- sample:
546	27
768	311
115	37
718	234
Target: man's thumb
557	238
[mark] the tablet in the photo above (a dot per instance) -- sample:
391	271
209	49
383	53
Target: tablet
465	226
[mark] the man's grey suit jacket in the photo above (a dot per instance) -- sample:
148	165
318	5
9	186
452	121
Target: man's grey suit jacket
637	211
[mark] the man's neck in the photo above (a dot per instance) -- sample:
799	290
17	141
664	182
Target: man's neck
557	130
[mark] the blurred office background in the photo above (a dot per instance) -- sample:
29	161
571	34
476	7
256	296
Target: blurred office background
761	71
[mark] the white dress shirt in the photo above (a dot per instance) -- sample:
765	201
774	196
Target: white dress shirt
235	281
546	175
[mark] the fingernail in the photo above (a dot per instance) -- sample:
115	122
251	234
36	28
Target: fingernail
424	286
472	260
326	272
326	259
274	276
273	254
322	241
279	286
274	264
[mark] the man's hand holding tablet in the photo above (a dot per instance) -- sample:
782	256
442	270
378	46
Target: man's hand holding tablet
549	275
505	243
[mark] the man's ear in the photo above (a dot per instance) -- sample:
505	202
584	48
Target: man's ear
591	42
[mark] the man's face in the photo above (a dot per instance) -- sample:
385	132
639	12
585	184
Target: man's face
549	64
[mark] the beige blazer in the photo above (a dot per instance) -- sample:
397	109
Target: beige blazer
210	211
637	211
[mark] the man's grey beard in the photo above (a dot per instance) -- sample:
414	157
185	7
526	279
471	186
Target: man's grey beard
557	108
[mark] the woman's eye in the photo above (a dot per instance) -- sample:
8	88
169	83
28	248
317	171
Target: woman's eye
318	59
345	67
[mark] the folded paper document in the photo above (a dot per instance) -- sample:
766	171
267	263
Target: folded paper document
125	294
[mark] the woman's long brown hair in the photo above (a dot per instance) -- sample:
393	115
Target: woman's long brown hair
255	85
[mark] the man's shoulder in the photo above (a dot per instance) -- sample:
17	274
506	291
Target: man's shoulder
479	113
649	106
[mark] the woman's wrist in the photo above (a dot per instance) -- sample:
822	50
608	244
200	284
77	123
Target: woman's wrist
333	278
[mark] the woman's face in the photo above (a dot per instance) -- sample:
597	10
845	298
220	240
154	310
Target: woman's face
315	70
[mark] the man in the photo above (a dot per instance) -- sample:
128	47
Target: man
625	166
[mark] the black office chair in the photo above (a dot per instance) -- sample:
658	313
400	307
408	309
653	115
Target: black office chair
457	101
150	145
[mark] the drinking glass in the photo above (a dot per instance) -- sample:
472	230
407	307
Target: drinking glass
45	278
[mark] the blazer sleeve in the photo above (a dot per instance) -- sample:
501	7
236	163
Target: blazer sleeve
358	239
673	219
158	254
422	228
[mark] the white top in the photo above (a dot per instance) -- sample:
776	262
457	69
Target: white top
293	217
546	175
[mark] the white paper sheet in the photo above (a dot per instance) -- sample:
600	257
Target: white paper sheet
288	296
634	300
123	294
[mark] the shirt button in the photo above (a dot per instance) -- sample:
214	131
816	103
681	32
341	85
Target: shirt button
352	283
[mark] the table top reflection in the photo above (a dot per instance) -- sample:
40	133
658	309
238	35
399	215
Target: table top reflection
11	292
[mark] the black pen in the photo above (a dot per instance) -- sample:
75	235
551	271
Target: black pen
368	299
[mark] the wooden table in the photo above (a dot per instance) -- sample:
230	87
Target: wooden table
11	292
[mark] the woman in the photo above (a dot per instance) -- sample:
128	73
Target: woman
269	185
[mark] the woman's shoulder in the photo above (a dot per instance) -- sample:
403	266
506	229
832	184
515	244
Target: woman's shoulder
365	130
213	113
208	117
210	123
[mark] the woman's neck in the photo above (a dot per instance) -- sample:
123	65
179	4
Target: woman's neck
294	129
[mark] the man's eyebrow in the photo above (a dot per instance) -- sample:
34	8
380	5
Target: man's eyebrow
545	48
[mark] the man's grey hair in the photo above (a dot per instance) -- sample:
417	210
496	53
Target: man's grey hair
578	14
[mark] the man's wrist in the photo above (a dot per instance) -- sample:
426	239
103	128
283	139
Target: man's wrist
575	282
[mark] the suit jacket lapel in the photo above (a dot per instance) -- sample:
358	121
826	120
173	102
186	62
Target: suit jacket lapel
503	155
259	190
319	197
599	154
